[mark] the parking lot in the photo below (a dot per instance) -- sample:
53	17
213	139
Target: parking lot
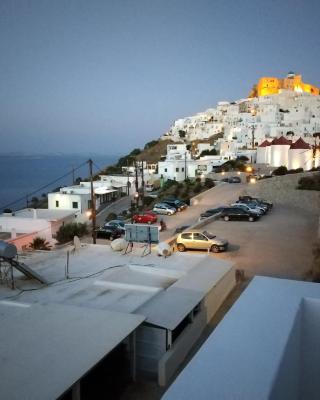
279	244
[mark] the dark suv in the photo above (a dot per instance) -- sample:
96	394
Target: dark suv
237	213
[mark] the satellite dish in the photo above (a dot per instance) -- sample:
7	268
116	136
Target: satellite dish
77	243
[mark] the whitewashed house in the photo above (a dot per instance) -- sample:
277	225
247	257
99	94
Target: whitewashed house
21	227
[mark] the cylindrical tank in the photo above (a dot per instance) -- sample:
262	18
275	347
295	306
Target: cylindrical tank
164	249
7	250
300	158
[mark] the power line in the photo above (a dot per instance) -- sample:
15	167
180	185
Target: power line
43	187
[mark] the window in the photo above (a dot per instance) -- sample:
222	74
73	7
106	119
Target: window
74	204
57	203
177	169
182	169
187	236
165	170
199	236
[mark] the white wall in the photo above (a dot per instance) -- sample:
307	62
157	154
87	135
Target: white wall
66	200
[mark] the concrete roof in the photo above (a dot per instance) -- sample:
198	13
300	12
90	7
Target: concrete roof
42	213
103	279
171	306
255	352
36	341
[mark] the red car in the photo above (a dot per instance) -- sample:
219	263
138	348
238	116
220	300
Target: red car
148	217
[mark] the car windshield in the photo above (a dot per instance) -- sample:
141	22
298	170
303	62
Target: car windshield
209	234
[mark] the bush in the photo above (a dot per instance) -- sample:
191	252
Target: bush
209	183
67	232
197	188
280	171
295	171
39	243
309	183
111	216
316	263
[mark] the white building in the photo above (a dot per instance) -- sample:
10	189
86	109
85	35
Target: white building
24	225
254	120
156	307
266	347
288	153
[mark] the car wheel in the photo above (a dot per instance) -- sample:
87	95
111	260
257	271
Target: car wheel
215	248
226	218
251	219
169	213
181	247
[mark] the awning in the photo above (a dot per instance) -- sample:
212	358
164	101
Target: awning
103	190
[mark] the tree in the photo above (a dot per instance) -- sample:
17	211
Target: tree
150	144
39	243
280	171
67	232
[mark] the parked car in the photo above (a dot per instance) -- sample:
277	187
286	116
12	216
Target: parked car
234	179
108	232
246	198
238	213
175	203
118	223
210	212
249	208
163	208
147	217
201	240
181	228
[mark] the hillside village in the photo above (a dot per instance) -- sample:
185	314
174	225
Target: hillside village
278	125
123	324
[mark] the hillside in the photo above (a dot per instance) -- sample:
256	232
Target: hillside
154	153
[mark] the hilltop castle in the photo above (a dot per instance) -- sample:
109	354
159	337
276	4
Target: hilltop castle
272	85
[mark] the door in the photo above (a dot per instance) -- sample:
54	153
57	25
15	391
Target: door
200	241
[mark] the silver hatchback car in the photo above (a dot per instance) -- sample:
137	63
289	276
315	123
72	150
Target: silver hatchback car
162	208
202	241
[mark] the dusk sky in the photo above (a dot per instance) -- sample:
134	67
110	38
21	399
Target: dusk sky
108	76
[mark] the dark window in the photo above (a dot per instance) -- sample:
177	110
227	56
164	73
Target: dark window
57	203
182	169
74	204
199	236
187	236
177	169
165	170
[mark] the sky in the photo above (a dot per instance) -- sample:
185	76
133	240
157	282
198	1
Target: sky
105	76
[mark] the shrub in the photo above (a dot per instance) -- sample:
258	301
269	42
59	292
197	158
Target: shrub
39	243
197	188
280	171
111	216
309	182
316	263
67	232
209	183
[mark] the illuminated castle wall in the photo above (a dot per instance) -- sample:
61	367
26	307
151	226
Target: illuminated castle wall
272	85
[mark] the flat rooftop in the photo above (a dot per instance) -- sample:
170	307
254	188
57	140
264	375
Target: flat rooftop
266	347
41	213
46	348
103	279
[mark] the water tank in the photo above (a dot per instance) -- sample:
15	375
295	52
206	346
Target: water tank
7	250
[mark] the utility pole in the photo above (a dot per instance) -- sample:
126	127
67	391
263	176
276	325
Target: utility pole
93	205
142	183
185	166
252	141
136	184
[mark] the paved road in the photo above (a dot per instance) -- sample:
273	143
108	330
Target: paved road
116	207
223	194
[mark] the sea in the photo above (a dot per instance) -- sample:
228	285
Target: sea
25	176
